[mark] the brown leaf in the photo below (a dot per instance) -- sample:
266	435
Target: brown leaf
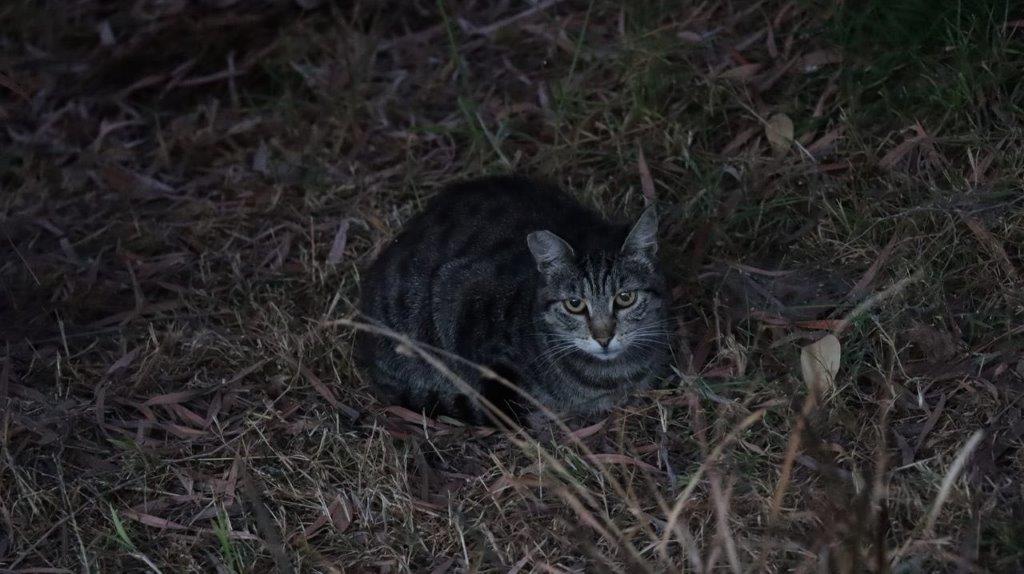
646	182
316	383
414	417
819	363
813	61
182	431
929	424
738	141
741	73
155	521
588	431
341	513
126	360
779	130
338	245
899	152
819	324
690	37
170	398
616	458
188	415
861	288
824	143
993	244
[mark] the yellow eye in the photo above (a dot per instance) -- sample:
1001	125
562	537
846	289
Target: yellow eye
625	299
575	305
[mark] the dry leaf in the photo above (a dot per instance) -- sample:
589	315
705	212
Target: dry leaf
588	431
993	244
338	245
341	513
616	458
170	398
691	38
738	141
741	73
155	521
813	61
646	181
125	361
899	152
824	144
413	417
779	130
819	363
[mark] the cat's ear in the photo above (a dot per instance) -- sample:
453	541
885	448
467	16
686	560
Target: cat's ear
549	250
643	238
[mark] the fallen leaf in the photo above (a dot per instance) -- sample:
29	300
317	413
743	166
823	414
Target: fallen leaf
615	458
155	521
182	432
994	245
813	61
414	417
170	398
742	73
824	144
819	363
188	415
588	430
341	513
125	361
338	245
646	182
819	324
738	141
779	131
890	159
106	33
689	37
860	289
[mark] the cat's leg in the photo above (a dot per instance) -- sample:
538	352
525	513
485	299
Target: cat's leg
415	384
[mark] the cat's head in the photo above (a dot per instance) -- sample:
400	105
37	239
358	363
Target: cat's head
607	303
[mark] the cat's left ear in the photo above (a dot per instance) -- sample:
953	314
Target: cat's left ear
643	238
549	251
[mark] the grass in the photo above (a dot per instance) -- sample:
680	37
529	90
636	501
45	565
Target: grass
177	393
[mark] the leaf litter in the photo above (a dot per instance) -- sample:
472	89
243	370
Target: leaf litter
177	212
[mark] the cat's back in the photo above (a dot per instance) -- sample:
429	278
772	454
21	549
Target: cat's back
468	247
485	219
499	209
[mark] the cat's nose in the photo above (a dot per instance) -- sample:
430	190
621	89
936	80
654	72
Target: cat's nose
603	341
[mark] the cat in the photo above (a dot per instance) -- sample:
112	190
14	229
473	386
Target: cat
515	275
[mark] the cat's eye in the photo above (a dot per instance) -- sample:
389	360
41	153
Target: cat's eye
625	298
575	305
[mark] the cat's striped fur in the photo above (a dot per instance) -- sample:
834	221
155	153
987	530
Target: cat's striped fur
488	272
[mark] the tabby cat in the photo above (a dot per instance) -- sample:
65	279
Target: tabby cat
517	276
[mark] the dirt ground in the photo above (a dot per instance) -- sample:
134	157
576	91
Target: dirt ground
190	189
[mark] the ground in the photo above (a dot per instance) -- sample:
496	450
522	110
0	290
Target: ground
189	190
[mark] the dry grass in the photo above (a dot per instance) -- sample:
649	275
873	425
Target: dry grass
189	190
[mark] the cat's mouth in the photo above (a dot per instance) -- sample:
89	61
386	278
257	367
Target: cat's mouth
601	352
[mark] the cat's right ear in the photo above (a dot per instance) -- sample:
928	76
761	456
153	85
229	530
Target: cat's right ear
549	250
